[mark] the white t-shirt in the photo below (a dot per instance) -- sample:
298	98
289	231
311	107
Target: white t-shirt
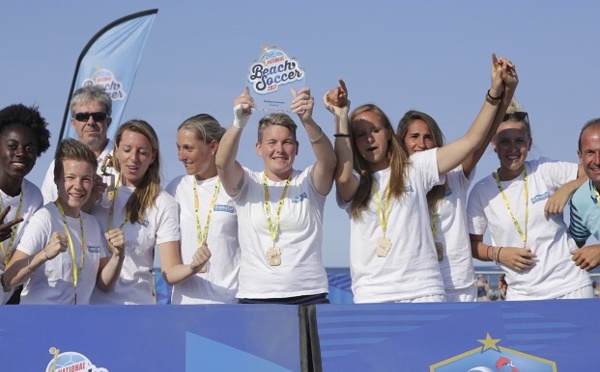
299	239
410	269
49	190
52	282
219	284
160	224
32	201
453	232
554	273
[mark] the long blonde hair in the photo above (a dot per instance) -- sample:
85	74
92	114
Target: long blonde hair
146	192
397	157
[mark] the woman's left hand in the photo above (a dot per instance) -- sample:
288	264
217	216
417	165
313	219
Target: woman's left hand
303	103
200	258
557	201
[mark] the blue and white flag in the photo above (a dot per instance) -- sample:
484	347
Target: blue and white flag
111	59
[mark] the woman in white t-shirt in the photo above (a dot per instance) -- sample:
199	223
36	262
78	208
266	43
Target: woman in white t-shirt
62	255
447	202
207	216
147	215
392	251
280	209
24	136
530	245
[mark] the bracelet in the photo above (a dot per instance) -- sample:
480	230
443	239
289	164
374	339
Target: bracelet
318	138
341	135
493	100
45	255
488	252
497	260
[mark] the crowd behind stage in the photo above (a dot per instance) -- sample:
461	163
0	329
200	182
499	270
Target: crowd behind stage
224	233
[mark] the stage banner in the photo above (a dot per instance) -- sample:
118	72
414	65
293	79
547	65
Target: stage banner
550	335
111	59
149	338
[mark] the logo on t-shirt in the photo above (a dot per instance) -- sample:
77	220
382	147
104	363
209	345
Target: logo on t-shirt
299	198
448	192
409	188
540	197
93	248
223	208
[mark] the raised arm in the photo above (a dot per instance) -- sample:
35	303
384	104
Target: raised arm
510	81
337	103
230	171
454	153
110	268
322	175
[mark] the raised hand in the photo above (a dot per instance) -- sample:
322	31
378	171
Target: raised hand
6	228
336	100
303	103
200	258
58	244
242	108
116	241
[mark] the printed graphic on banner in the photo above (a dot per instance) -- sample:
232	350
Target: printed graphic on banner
105	78
271	78
493	358
70	362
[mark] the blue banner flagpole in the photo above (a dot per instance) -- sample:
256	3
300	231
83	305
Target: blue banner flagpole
111	59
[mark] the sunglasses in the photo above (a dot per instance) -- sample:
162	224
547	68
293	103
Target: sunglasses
85	116
517	116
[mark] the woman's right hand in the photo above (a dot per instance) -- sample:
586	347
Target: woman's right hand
519	259
336	100
57	245
242	108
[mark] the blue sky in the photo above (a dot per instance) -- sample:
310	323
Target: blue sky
433	56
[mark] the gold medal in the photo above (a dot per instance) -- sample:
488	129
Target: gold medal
439	248
110	195
383	246
274	256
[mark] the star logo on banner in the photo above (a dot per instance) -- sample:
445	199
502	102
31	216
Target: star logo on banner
489	343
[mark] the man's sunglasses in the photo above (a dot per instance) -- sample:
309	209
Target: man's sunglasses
85	116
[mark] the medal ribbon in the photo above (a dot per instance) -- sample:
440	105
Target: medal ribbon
273	228
202	235
111	211
76	269
383	210
596	194
13	232
522	233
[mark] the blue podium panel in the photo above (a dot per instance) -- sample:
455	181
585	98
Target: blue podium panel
536	336
149	338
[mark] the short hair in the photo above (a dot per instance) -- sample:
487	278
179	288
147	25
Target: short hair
29	117
276	119
71	149
590	123
91	93
204	126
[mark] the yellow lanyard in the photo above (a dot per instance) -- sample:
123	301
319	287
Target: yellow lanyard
13	232
383	210
111	210
76	269
596	194
522	233
273	228
203	235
